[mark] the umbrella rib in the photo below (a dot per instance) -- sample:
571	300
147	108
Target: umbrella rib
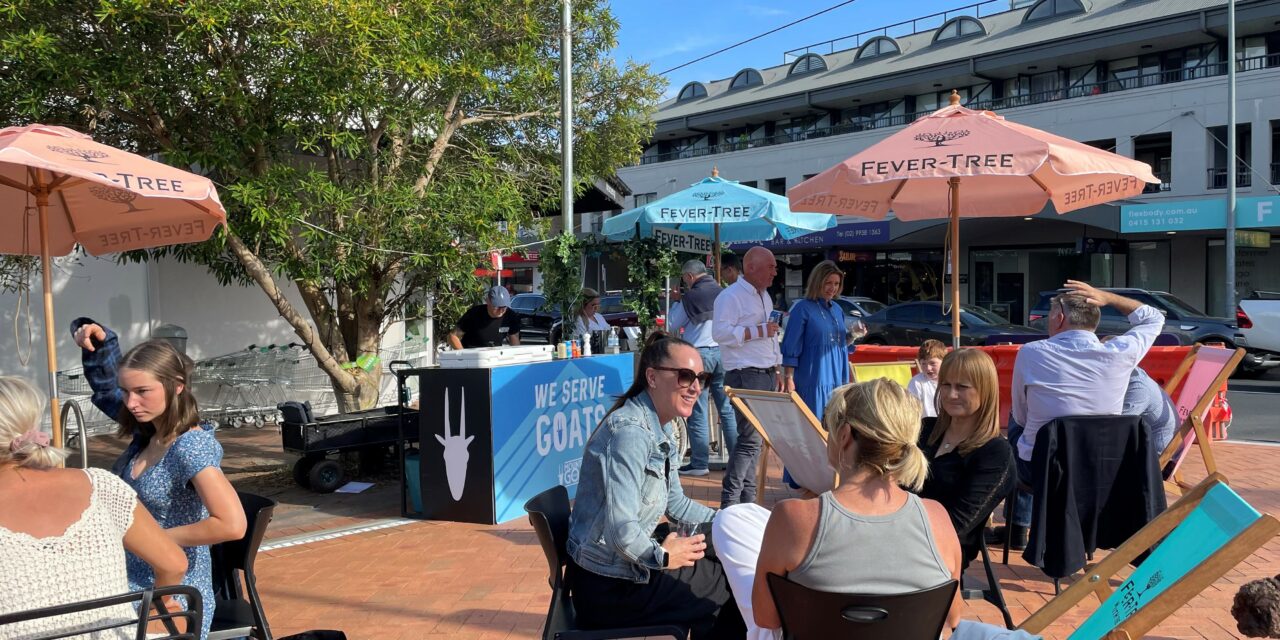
16	185
1038	183
71	221
57	182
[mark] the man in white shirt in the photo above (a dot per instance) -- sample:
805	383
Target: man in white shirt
1073	373
748	342
693	315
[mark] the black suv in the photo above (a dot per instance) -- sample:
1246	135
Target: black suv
911	323
1181	320
536	317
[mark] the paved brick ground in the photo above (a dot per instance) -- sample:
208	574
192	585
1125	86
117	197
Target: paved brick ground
437	580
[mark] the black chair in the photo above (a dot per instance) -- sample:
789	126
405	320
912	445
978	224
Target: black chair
549	514
237	609
144	601
1106	466
808	614
991	591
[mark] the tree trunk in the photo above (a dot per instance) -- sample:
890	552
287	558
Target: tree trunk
361	317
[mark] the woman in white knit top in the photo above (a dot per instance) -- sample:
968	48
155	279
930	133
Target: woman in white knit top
63	532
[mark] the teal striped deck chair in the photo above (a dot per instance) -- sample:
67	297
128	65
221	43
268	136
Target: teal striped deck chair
1197	540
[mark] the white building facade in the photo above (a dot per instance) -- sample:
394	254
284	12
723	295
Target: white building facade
1145	79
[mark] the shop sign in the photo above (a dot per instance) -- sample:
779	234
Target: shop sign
843	234
683	240
1253	239
1101	245
1192	215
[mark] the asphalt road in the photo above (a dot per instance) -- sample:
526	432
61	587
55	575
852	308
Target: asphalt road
1255	408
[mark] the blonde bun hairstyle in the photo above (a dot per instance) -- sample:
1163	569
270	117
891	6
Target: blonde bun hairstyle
885	421
21	440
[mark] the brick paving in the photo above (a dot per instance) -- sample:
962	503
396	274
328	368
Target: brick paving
438	580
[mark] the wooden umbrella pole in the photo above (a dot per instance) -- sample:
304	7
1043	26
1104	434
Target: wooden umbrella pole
716	248
955	262
51	352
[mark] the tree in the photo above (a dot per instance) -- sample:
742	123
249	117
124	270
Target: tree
366	148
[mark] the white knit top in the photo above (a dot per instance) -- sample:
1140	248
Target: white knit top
85	562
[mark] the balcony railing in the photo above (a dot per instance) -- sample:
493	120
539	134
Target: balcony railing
1055	95
784	138
1163	177
1218	177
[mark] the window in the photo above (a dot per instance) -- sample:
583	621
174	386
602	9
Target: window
642	199
748	183
905	313
808	63
776	186
746	78
1046	9
962	27
691	91
878	46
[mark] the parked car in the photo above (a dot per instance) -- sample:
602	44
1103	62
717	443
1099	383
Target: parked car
540	321
1183	321
536	317
911	323
1258	321
859	306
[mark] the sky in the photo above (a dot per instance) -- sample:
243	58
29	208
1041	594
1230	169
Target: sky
667	33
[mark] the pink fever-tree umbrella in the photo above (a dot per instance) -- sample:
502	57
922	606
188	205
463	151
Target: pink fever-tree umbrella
59	188
958	162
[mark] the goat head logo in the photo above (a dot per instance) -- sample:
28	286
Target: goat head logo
941	138
455	448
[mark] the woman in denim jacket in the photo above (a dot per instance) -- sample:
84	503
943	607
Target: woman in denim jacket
621	572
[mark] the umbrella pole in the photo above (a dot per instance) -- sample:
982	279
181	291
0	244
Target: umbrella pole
716	248
955	262
51	352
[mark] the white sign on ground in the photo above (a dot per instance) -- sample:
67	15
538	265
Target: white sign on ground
683	240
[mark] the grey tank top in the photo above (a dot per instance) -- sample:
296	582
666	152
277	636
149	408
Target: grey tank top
855	553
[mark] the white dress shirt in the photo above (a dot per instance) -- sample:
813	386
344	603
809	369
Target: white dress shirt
741	310
1075	374
697	334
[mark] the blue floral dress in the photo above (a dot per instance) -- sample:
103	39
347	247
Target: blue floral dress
166	492
165	488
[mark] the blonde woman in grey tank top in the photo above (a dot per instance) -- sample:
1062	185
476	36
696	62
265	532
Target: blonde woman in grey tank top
868	535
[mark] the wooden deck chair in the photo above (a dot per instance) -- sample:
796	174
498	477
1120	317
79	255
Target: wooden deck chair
1201	374
788	427
1197	540
899	372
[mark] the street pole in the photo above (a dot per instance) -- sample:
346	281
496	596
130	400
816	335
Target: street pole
566	117
1229	294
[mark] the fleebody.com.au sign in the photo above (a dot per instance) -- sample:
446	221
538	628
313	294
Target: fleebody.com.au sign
1192	215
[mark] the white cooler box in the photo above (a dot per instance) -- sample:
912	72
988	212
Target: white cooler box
489	357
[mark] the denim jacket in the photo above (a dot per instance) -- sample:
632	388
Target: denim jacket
628	482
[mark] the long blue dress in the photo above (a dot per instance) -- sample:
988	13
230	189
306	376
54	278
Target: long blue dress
815	345
163	489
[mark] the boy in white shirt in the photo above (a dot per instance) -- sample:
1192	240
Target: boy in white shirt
924	385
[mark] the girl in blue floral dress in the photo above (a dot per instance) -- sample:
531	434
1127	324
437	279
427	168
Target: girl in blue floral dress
171	462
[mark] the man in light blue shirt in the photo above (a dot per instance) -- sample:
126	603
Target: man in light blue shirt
1073	373
693	315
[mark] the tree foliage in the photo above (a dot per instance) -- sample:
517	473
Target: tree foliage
366	149
649	264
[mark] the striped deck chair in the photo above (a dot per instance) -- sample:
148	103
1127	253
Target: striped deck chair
789	428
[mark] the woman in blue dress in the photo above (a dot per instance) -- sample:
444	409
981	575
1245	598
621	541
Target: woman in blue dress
171	462
815	352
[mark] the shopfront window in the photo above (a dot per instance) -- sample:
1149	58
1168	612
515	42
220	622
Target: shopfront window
1149	265
893	276
1256	270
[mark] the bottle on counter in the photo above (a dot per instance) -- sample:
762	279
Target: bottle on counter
586	344
560	353
611	345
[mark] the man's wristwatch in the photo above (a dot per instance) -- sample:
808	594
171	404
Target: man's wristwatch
666	559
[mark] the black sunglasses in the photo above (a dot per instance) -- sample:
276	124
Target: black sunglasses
685	377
